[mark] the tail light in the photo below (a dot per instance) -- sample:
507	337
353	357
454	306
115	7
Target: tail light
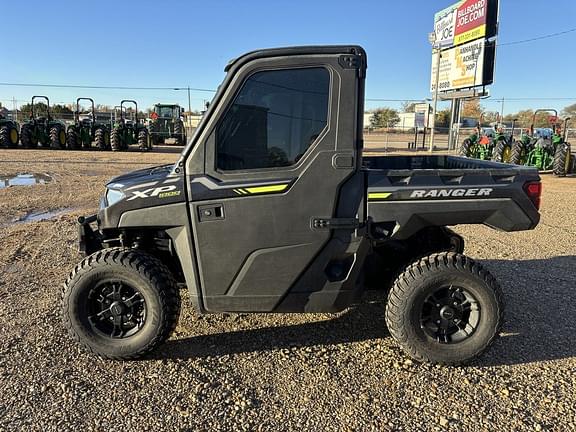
534	192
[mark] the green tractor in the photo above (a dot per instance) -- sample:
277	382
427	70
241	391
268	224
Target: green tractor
83	132
9	135
166	122
478	145
503	143
43	130
496	147
126	132
545	151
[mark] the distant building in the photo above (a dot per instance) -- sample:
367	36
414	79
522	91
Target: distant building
368	119
192	120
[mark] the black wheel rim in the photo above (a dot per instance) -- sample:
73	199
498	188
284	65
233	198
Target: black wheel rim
450	315
116	309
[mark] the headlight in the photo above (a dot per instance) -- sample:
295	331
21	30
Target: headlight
113	196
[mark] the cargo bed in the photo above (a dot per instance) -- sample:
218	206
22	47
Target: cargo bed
412	192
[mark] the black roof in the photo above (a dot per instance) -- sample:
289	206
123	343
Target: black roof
297	50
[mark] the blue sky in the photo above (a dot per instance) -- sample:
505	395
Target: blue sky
179	43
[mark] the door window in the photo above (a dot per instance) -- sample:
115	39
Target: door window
274	119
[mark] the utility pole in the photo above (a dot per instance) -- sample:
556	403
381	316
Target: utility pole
502	112
432	39
189	106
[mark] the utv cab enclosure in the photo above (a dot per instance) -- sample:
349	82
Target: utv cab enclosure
272	207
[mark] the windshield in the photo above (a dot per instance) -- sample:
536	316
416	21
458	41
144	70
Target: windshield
165	111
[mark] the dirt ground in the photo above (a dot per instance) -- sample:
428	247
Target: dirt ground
274	372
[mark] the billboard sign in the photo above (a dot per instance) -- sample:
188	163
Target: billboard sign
444	25
421	111
464	66
465	21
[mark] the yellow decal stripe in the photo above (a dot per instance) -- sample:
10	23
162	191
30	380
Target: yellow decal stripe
267	189
378	195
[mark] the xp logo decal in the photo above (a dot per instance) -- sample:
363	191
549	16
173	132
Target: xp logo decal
160	192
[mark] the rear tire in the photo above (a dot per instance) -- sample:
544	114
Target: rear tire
562	160
517	154
465	147
120	303
179	132
445	308
502	152
143	140
9	136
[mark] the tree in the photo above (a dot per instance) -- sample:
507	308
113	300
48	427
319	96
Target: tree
442	119
40	110
408	107
490	117
62	112
569	111
471	109
524	118
384	117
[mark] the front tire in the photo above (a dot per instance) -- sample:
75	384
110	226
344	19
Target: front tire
144	140
72	139
466	147
57	137
27	137
120	303
445	309
102	138
115	140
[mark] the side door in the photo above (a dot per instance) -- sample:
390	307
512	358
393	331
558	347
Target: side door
276	150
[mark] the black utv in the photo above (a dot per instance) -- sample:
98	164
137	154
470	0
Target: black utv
273	208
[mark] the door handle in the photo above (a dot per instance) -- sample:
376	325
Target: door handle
210	212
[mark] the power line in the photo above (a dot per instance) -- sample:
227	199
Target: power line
175	88
551	35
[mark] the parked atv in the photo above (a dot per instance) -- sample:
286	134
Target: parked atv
126	133
545	152
9	134
43	130
166	122
83	132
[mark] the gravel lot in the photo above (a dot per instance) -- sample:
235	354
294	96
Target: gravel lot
275	372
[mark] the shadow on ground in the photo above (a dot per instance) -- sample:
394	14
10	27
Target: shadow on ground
540	320
365	322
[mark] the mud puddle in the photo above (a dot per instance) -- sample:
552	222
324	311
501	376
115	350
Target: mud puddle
24	180
38	216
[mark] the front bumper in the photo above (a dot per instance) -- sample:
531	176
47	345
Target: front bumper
89	240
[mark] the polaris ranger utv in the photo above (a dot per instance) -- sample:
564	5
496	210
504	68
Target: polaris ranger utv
272	207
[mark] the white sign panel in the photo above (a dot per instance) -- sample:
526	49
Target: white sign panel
444	29
460	67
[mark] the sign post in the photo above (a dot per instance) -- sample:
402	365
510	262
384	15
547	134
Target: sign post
432	37
463	52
